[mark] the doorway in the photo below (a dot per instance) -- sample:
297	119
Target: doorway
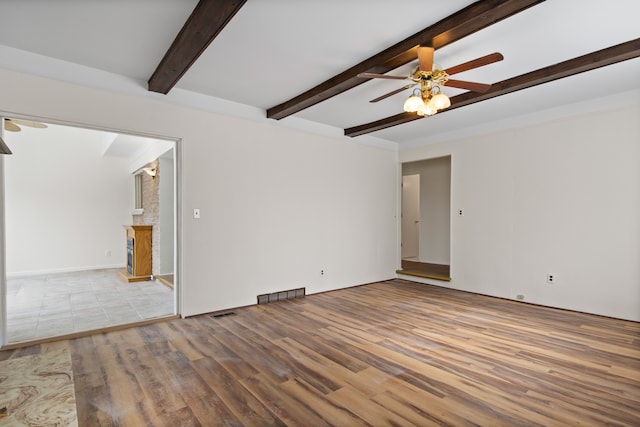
426	218
68	193
411	217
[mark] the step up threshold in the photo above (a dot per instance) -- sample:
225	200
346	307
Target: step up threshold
423	275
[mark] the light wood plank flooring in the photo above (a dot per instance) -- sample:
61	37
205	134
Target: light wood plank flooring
390	353
425	269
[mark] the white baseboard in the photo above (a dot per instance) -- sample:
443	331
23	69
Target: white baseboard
15	274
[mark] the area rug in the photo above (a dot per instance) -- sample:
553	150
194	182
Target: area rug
38	390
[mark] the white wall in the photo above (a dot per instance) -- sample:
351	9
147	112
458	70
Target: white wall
561	197
435	208
277	205
65	203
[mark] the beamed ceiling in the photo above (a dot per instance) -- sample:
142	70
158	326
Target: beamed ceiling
297	61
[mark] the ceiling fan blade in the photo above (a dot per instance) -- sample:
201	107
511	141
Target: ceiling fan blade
11	127
29	123
380	76
472	86
393	92
475	63
425	58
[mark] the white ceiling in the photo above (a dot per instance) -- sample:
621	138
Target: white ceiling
274	50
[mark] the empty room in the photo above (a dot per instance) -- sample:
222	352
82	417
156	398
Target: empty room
319	213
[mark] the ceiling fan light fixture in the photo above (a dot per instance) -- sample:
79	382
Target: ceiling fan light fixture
413	104
429	109
3	147
440	101
428	99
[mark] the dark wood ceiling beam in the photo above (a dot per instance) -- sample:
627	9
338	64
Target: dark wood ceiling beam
387	122
475	17
581	64
206	21
588	62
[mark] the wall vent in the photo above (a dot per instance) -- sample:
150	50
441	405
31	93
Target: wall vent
281	295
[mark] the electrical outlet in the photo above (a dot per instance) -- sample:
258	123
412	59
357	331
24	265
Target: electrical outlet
460	212
107	253
322	272
196	213
551	278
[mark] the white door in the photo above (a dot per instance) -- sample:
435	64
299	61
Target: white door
410	216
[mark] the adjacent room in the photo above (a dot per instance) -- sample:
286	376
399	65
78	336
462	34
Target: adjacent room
75	200
246	212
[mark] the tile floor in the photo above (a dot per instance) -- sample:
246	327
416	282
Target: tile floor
57	304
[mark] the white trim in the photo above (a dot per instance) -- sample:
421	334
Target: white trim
3	263
178	273
17	274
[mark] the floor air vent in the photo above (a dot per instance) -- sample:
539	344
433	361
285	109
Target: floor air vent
228	313
280	296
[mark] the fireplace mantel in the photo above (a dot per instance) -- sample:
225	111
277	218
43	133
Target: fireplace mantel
139	259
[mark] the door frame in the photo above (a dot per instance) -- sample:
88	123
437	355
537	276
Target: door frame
410	171
3	263
177	195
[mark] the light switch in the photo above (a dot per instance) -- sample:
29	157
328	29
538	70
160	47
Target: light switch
196	213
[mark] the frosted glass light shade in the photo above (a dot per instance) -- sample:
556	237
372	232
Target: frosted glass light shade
413	103
429	109
441	101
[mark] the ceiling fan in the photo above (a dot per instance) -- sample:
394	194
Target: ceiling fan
428	97
11	125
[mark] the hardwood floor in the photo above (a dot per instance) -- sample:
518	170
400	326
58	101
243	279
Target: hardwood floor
426	270
389	353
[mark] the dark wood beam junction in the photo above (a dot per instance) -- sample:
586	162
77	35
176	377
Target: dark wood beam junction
588	62
206	21
475	17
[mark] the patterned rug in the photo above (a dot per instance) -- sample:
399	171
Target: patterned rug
38	390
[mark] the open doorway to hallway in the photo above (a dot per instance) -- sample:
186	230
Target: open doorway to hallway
70	193
426	218
411	217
